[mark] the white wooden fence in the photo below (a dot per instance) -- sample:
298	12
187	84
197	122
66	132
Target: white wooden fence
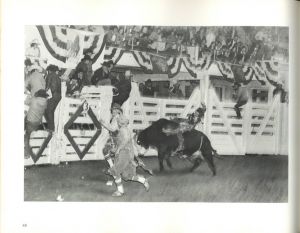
263	128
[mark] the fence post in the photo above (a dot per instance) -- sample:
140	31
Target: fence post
162	106
247	121
208	103
57	147
278	131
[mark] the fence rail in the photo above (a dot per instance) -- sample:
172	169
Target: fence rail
262	130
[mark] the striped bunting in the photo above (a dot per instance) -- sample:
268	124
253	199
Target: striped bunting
259	74
248	73
96	44
225	69
189	66
143	59
113	54
205	63
174	65
65	43
56	46
270	70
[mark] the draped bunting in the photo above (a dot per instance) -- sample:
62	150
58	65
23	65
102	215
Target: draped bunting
174	65
225	69
263	71
65	44
64	47
142	58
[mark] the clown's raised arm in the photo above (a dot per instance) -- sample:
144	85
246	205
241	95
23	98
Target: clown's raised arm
113	126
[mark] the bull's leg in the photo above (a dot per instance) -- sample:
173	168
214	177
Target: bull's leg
169	162
161	162
209	159
197	163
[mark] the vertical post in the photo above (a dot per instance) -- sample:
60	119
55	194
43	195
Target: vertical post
247	121
58	147
132	42
278	132
208	103
162	106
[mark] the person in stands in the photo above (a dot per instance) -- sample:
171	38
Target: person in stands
175	91
240	94
36	85
124	88
85	66
102	75
124	165
53	85
147	89
33	51
75	84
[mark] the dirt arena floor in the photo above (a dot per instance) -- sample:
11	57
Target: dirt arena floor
238	179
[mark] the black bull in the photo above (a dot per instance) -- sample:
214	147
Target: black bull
194	141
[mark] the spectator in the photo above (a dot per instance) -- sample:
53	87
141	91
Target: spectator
147	89
120	40
203	50
89	52
85	66
124	88
218	50
75	85
109	35
35	80
102	75
115	36
280	90
253	54
33	51
171	41
210	37
240	94
27	67
53	84
175	91
35	83
241	56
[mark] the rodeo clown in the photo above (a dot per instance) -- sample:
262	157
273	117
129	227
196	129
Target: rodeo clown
121	145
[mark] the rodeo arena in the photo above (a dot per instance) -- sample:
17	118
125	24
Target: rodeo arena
156	113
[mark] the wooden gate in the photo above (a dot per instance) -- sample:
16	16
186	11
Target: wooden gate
225	131
259	131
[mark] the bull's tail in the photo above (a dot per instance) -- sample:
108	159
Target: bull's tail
215	154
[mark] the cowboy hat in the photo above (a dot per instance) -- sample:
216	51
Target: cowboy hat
116	106
107	63
87	57
35	41
35	67
128	73
52	68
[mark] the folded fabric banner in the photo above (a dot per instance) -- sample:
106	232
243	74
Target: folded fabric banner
174	65
66	46
225	69
142	58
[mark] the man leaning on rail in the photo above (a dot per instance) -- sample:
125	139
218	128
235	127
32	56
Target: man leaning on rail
37	101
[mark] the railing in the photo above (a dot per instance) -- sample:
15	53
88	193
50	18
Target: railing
262	127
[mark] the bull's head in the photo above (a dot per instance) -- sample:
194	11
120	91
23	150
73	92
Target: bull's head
140	142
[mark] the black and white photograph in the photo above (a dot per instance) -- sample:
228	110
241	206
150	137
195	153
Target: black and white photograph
153	116
156	113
